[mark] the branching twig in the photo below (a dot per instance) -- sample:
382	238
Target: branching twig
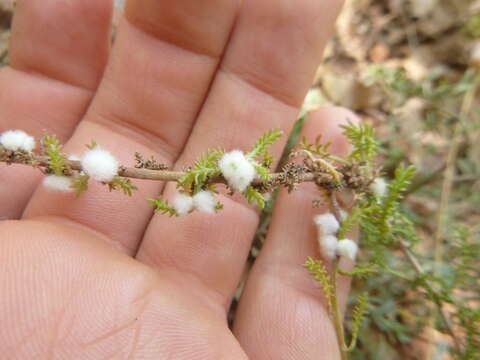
449	175
147	174
448	181
419	270
337	314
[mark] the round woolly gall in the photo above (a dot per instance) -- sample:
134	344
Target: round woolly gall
183	204
15	140
100	164
347	248
327	223
204	201
58	183
237	170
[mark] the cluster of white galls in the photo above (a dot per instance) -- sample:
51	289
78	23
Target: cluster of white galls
17	140
328	226
98	163
330	245
203	201
236	168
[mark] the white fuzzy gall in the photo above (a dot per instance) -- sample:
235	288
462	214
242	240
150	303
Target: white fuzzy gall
15	140
182	204
29	144
237	170
100	164
327	224
379	187
347	248
58	183
343	215
204	201
328	246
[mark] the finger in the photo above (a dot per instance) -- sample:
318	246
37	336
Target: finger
161	67
278	42
58	53
280	295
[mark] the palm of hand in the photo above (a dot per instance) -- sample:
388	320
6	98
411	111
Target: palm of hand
99	277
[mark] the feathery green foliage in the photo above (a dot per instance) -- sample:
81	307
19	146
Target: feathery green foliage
383	221
254	196
359	312
465	257
261	170
80	184
468	318
57	161
162	206
462	273
347	225
389	206
434	90
261	158
260	149
362	271
317	147
321	275
396	317
204	169
365	145
124	184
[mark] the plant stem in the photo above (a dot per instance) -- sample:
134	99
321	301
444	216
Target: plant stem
148	174
448	181
337	314
419	270
425	180
449	175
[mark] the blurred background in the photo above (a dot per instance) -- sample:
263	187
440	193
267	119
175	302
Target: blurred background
410	68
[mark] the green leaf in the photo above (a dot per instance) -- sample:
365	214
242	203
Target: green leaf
359	313
254	196
204	168
347	225
57	161
261	146
319	272
93	144
80	184
383	223
365	145
262	171
361	271
123	184
396	188
317	147
162	206
218	206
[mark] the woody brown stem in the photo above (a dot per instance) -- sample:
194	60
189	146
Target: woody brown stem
143	174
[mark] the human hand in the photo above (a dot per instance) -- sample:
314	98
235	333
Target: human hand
100	277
